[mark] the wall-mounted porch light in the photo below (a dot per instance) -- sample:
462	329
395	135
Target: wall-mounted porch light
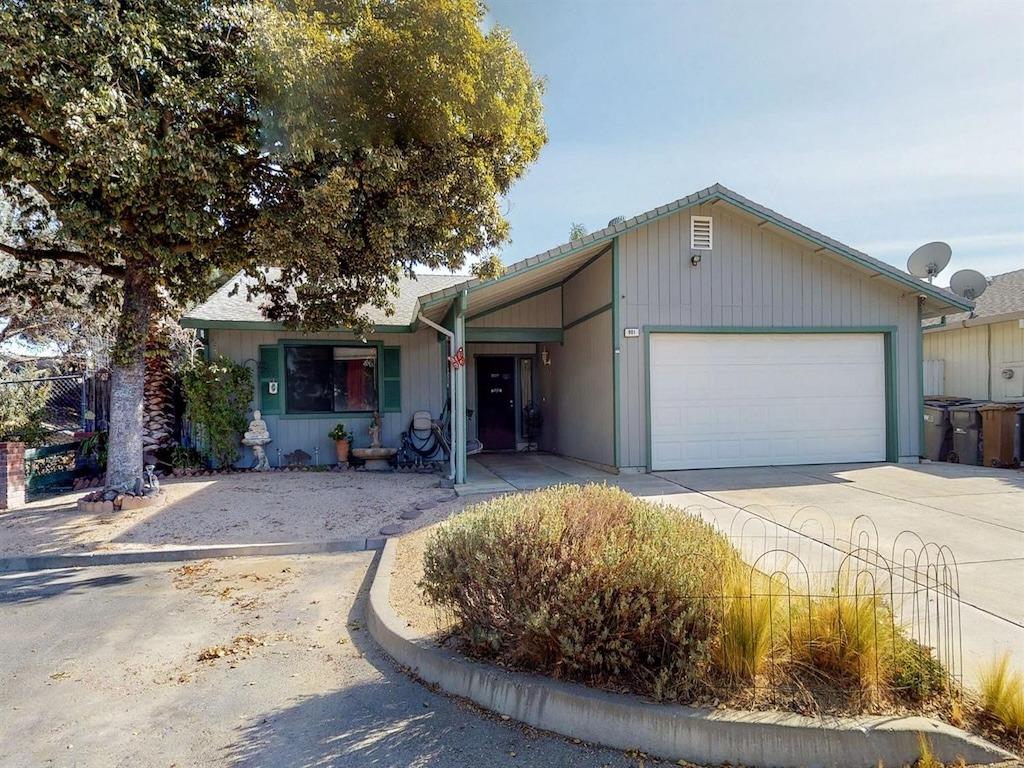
545	356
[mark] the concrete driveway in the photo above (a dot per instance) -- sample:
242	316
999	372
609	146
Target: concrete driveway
102	667
978	512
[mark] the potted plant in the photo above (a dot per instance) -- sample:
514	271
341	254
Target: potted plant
342	441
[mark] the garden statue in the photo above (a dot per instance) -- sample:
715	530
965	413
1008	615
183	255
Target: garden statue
375	430
256	437
152	484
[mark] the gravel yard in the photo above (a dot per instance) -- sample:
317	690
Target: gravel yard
243	508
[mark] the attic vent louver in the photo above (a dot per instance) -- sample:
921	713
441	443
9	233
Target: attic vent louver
700	233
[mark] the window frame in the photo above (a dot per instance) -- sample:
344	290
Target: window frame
284	344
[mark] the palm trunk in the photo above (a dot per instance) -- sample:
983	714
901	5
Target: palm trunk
128	381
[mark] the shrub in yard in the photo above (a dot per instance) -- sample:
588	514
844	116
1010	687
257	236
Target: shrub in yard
590	584
217	396
1002	694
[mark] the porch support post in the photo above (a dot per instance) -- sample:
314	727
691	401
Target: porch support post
459	405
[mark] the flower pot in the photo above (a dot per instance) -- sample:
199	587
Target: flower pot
342	447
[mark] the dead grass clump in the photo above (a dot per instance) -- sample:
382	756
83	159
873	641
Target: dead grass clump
590	584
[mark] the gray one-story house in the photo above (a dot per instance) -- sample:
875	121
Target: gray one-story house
709	332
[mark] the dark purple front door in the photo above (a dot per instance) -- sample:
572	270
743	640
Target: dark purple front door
496	402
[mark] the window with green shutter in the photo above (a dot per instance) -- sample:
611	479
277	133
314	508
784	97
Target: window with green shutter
270	379
391	380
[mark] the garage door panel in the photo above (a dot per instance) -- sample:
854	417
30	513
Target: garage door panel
720	400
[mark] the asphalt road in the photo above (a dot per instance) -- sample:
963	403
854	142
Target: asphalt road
101	667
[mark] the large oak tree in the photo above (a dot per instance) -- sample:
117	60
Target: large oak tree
150	142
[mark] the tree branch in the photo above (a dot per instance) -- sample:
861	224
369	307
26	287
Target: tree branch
60	254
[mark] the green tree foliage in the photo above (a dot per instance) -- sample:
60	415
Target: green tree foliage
577	230
488	268
217	397
147	145
23	400
47	323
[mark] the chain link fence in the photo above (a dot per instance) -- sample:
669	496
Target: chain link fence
51	415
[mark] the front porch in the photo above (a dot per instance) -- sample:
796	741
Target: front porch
510	472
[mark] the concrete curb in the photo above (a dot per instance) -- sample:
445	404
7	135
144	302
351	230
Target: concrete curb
671	732
180	554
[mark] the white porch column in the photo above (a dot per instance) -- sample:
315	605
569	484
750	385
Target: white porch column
459	415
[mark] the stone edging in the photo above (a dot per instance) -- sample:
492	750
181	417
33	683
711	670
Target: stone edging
180	554
672	732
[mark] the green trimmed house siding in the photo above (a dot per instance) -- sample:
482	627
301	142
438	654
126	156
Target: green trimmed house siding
408	381
755	278
576	389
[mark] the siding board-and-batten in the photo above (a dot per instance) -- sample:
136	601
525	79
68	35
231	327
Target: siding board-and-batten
576	389
975	357
754	278
421	355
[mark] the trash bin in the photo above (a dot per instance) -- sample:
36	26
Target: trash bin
937	431
1018	438
998	425
966	423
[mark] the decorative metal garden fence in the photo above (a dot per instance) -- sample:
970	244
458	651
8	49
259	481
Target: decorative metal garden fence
890	615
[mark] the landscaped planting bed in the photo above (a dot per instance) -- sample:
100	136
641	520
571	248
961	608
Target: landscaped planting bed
596	586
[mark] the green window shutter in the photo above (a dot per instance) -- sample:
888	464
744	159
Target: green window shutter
391	380
270	371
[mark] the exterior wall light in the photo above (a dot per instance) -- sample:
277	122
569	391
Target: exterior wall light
695	260
545	356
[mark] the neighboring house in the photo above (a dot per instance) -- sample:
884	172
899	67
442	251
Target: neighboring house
980	354
709	332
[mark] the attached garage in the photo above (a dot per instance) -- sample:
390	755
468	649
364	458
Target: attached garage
720	399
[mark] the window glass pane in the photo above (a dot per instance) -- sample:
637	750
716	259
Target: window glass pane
355	379
525	391
309	379
526	382
321	379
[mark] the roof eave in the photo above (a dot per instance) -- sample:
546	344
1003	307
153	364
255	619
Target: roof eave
971	322
267	325
712	193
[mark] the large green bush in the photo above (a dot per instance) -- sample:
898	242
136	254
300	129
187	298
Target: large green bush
217	396
590	584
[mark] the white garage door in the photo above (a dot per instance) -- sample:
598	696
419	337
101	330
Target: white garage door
744	400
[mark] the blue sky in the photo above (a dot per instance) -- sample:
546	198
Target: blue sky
882	124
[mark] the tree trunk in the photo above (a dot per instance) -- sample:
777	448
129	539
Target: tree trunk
128	381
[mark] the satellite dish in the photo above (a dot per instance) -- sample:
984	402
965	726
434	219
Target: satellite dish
616	220
968	283
930	259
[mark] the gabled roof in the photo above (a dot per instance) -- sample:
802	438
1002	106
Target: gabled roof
437	291
1003	300
230	306
941	297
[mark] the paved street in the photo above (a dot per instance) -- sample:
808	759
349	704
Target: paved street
100	668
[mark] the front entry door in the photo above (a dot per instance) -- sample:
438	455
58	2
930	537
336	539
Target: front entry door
496	402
